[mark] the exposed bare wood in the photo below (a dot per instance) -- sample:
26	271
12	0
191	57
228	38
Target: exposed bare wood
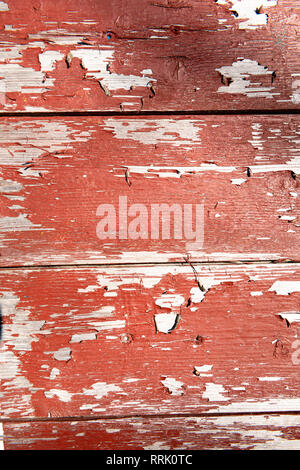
56	173
113	56
91	341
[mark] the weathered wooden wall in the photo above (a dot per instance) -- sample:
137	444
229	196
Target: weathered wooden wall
146	344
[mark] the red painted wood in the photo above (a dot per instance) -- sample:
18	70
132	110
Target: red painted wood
93	342
88	341
56	172
179	46
262	432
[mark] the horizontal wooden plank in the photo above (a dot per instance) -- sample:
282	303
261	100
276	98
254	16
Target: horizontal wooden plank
265	432
161	339
56	173
164	55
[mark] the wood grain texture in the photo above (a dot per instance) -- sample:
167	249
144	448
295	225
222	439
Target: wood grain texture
164	55
171	354
56	172
262	432
148	341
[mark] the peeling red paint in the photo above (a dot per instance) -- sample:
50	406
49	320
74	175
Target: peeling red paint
56	172
236	367
149	349
167	41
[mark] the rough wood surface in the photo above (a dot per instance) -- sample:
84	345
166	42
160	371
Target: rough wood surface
56	172
171	354
163	55
149	340
262	432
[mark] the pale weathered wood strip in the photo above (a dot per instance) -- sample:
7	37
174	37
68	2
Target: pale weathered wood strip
163	55
263	432
56	172
148	340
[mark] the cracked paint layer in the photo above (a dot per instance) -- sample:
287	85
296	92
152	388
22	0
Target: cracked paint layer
63	160
101	389
285	287
214	392
77	64
96	62
174	386
166	322
166	131
132	368
249	11
241	76
260	432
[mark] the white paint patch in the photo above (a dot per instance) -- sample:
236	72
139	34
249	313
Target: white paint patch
62	395
36	139
158	445
9	365
9	186
18	79
177	171
170	301
48	59
269	379
285	287
263	405
151	132
214	392
174	386
3	6
108	325
238	181
290	317
130	380
19	331
88	289
110	294
257	133
103	312
165	322
202	371
197	295
296	92
249	11
97	61
239	74
1	437
101	389
205	368
54	373
62	354
289	218
265	432
290	165
77	338
18	224
256	293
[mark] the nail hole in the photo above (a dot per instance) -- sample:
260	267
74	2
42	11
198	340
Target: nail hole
126	338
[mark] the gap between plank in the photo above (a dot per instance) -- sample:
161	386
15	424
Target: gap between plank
156	263
229	112
145	416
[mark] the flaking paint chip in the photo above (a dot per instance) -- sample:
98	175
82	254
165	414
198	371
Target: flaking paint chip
63	354
166	322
